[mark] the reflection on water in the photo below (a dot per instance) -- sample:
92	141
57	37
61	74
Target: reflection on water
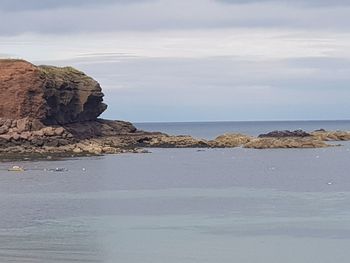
180	205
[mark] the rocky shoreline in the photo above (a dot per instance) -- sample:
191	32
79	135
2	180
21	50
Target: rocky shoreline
48	111
112	137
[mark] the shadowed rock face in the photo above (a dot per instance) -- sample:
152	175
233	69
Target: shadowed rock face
50	94
71	96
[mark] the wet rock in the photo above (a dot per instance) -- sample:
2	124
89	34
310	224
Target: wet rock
285	133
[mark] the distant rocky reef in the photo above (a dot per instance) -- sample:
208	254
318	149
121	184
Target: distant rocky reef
46	110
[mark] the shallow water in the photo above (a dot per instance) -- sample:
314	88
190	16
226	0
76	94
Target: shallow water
180	205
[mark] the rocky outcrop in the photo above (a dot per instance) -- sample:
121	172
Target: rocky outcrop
230	140
99	128
331	135
50	94
285	133
181	141
286	142
70	96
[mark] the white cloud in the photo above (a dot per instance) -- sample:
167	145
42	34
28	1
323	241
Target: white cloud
195	59
252	44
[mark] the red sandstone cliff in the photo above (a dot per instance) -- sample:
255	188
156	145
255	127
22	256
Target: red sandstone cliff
51	94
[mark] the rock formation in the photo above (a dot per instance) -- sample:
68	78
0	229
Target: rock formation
331	135
230	140
285	142
50	94
286	133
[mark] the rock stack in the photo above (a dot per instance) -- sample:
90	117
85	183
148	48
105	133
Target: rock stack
50	94
46	106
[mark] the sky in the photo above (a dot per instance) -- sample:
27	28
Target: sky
194	60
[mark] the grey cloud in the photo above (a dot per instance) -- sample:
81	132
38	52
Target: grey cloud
330	64
109	16
292	2
220	87
20	5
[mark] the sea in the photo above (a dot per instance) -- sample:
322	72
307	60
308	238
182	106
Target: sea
183	205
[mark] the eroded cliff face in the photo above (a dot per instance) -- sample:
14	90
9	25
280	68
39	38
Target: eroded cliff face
70	96
21	90
50	94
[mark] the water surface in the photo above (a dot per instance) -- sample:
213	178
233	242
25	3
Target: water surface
180	205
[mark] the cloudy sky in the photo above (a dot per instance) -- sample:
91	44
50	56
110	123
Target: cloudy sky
194	60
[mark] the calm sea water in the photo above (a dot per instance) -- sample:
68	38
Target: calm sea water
182	205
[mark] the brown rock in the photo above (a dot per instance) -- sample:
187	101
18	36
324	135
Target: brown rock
6	137
182	141
15	136
13	124
39	133
289	142
230	140
59	131
331	135
23	124
36	125
4	129
25	135
8	122
53	95
49	131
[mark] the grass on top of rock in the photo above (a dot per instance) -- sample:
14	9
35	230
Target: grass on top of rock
12	60
59	71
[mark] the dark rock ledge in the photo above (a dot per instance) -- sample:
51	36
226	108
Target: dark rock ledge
46	111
